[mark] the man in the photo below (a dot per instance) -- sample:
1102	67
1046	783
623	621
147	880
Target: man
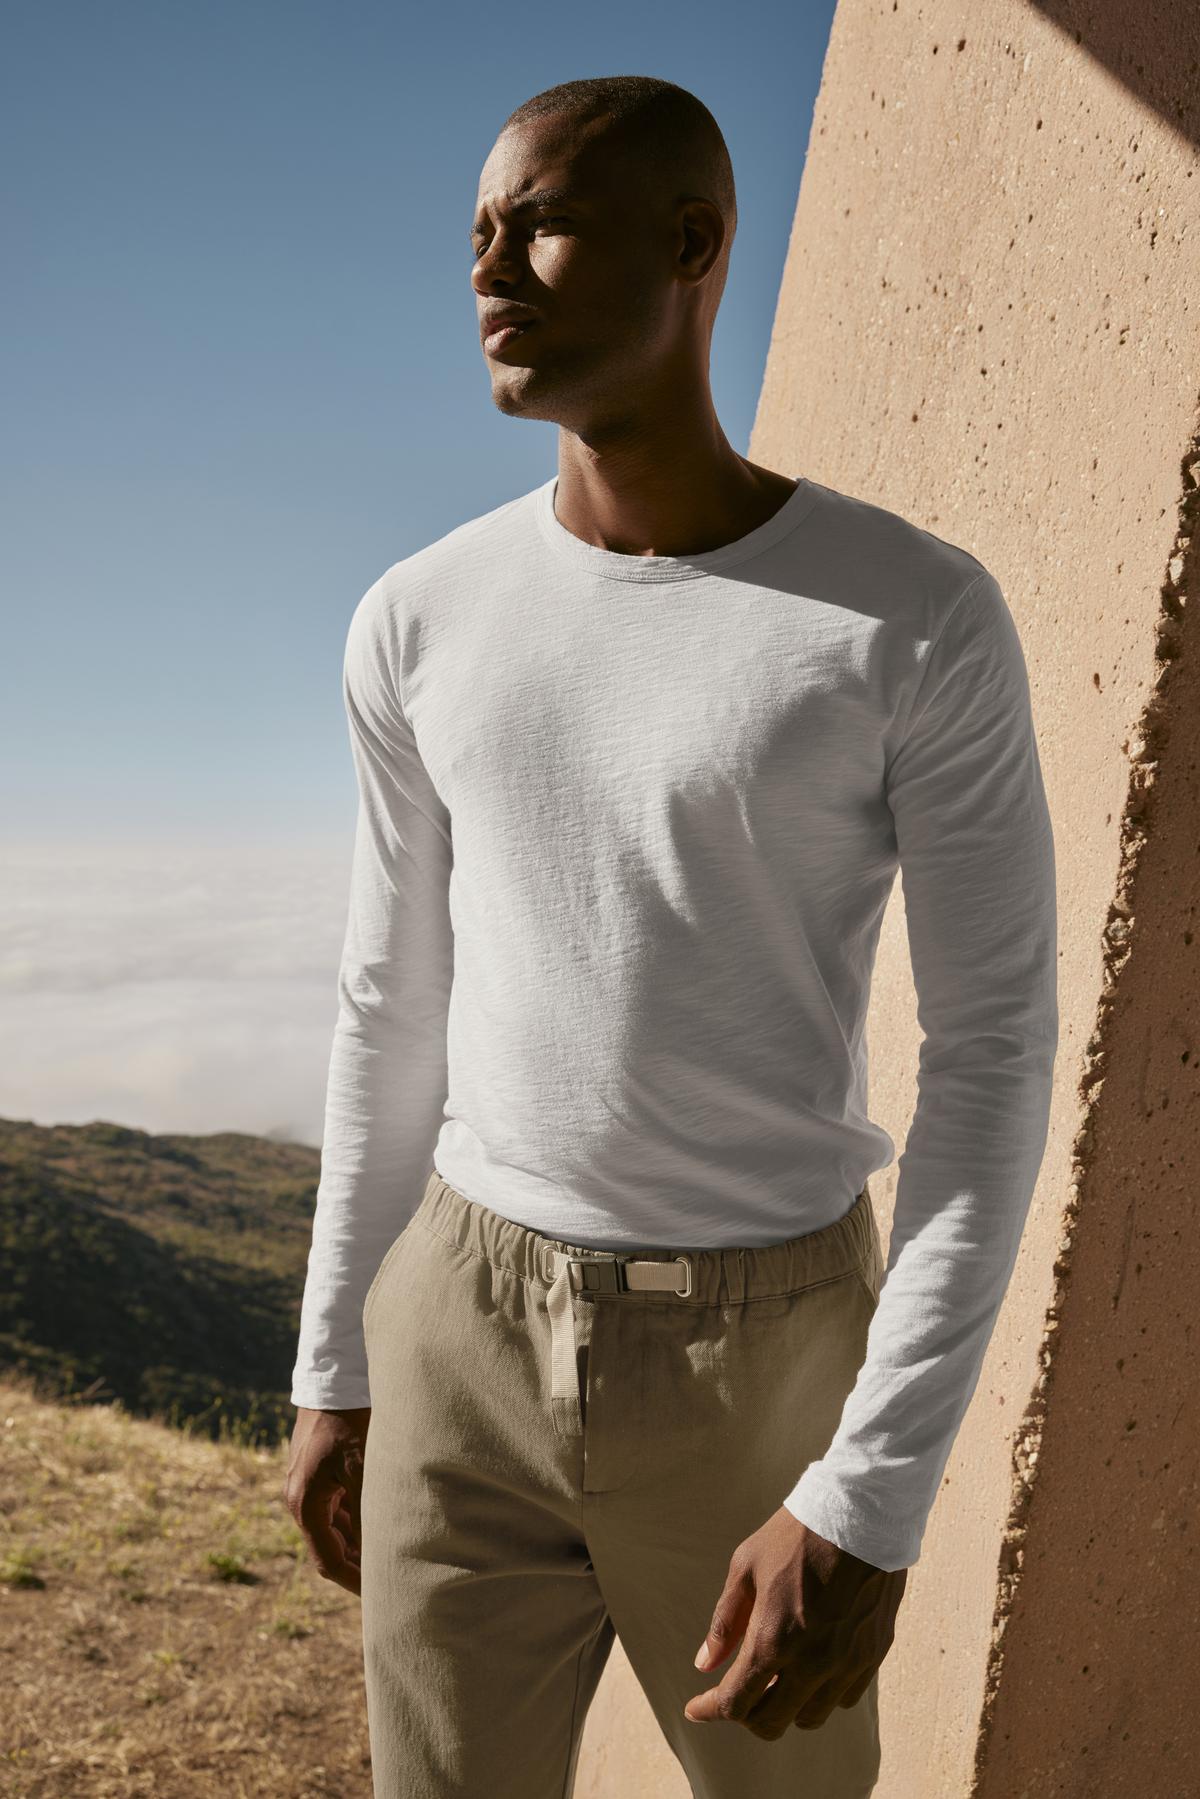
639	756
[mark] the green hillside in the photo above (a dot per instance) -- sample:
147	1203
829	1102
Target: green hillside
165	1271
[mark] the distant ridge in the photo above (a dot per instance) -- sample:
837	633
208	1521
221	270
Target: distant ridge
164	1270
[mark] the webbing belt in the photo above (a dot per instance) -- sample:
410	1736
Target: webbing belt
600	1273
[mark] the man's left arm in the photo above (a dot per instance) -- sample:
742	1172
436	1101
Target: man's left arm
811	1597
977	865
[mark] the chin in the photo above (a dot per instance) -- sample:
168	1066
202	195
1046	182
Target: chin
521	398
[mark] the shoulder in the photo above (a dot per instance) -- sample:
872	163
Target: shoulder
393	618
457	557
918	576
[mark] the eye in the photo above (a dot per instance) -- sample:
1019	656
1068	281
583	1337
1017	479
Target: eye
479	246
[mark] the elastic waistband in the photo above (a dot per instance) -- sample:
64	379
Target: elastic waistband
718	1276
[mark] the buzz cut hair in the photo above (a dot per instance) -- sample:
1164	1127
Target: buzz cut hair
663	123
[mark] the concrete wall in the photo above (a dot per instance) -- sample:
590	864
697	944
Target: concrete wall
990	322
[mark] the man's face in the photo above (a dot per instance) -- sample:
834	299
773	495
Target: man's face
566	235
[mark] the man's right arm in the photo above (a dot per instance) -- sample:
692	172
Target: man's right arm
387	1070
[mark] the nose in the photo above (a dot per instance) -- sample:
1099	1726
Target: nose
495	264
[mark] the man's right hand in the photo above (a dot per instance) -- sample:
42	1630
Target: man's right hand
323	1489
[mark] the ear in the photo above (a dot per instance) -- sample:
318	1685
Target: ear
702	237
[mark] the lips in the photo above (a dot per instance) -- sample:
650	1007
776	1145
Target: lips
502	335
502	327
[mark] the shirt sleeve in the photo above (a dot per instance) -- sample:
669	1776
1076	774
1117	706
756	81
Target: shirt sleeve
386	1087
976	857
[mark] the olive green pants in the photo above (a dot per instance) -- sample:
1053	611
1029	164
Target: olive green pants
558	1454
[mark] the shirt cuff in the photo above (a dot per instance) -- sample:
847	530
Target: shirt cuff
820	1502
324	1396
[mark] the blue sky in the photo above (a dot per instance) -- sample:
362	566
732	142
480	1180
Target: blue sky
242	376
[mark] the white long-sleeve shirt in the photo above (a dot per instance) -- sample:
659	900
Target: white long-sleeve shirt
627	827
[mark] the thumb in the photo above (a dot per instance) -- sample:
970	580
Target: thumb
729	1620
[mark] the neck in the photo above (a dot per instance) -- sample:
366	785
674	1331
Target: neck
670	487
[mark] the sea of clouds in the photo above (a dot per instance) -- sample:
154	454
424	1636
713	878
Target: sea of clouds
171	987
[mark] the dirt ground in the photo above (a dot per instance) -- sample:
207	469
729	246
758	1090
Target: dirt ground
161	1629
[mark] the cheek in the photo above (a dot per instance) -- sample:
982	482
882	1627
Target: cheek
606	307
556	262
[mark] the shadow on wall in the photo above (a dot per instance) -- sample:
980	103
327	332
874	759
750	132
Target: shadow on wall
1098	1589
1154	51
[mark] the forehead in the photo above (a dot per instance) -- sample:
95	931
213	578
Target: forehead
550	153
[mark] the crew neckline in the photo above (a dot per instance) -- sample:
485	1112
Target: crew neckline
619	566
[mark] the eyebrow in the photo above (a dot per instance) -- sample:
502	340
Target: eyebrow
542	196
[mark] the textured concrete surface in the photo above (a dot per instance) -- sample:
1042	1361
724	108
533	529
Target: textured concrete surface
989	322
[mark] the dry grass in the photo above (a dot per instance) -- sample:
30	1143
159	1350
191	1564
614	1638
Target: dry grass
161	1629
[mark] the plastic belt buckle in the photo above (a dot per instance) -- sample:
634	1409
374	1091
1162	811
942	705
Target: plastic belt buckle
598	1274
612	1280
622	1259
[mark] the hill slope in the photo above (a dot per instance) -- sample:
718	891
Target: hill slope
165	1271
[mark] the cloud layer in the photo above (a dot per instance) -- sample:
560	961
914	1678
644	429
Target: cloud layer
174	988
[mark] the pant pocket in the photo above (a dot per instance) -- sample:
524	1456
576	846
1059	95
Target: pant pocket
870	1269
866	1276
388	1258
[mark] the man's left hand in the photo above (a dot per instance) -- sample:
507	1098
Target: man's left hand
814	1623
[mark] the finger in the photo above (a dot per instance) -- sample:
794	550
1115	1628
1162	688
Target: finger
740	1690
340	1565
855	1692
844	1679
729	1619
325	1542
820	1702
350	1548
347	1523
775	1713
334	1563
806	1682
349	1577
